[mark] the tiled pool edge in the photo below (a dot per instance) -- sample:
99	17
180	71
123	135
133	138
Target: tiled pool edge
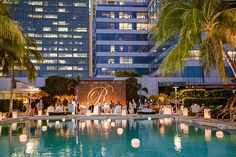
186	119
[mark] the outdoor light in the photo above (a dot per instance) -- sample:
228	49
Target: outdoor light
14	114
57	123
207	134
219	134
119	131
63	119
149	118
207	113
44	128
13	126
161	121
113	124
135	142
23	138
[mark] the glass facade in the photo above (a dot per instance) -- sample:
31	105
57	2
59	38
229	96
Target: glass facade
60	28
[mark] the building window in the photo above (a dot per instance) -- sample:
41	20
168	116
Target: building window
80	55
61	61
80	29
51	68
49	61
65	55
112	48
80	4
141	26
35	3
50	16
38	9
62	10
49	54
63	29
232	55
111	61
65	68
46	29
50	35
126	60
126	15
125	26
141	15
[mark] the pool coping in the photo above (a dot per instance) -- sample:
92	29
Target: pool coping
216	123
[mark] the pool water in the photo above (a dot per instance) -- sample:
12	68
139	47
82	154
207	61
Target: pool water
158	138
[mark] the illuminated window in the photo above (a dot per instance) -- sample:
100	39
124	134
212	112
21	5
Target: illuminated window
62	23
65	68
232	55
50	35
49	61
37	67
126	60
80	4
38	9
77	36
126	15
65	55
80	55
63	29
51	68
78	68
46	29
38	35
30	34
38	41
125	26
49	54
141	26
141	15
65	36
62	10
80	30
194	55
111	61
112	48
61	61
39	48
35	3
50	16
35	16
33	60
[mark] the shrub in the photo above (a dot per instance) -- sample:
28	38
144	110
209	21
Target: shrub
17	104
188	101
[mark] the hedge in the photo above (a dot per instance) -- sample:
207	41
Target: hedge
188	101
17	104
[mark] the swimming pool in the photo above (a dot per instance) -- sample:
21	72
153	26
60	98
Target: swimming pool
158	137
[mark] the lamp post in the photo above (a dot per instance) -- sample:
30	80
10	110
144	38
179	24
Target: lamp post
176	104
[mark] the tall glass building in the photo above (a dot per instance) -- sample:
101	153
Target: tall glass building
61	30
122	37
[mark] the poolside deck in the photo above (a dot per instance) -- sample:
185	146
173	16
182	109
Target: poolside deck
225	124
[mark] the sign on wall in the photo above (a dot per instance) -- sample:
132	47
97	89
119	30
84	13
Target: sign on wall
92	91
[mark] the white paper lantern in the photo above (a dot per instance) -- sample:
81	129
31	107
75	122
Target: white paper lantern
119	131
149	118
219	134
135	142
109	120
57	123
44	128
113	124
23	138
63	119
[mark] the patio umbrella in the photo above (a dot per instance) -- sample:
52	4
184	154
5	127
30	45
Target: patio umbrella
40	94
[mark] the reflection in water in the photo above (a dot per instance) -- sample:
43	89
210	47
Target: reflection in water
177	143
14	126
105	138
219	134
208	135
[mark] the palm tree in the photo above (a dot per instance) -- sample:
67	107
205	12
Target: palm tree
15	48
208	25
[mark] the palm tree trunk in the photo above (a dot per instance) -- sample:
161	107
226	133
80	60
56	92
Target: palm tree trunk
230	62
11	90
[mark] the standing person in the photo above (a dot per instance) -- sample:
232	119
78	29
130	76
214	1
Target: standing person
127	107
40	107
131	109
32	106
74	106
134	106
111	107
99	107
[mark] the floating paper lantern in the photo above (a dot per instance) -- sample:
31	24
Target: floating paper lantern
63	119
161	121
109	120
135	142
23	138
119	131
219	134
57	123
44	128
149	118
113	124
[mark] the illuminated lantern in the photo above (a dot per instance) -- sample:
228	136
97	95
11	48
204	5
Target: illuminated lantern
161	121
63	119
14	114
109	120
219	134
119	131
135	143
57	123
44	128
113	124
149	118
23	138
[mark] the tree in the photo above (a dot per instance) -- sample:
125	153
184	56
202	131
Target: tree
210	25
131	89
15	48
126	73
